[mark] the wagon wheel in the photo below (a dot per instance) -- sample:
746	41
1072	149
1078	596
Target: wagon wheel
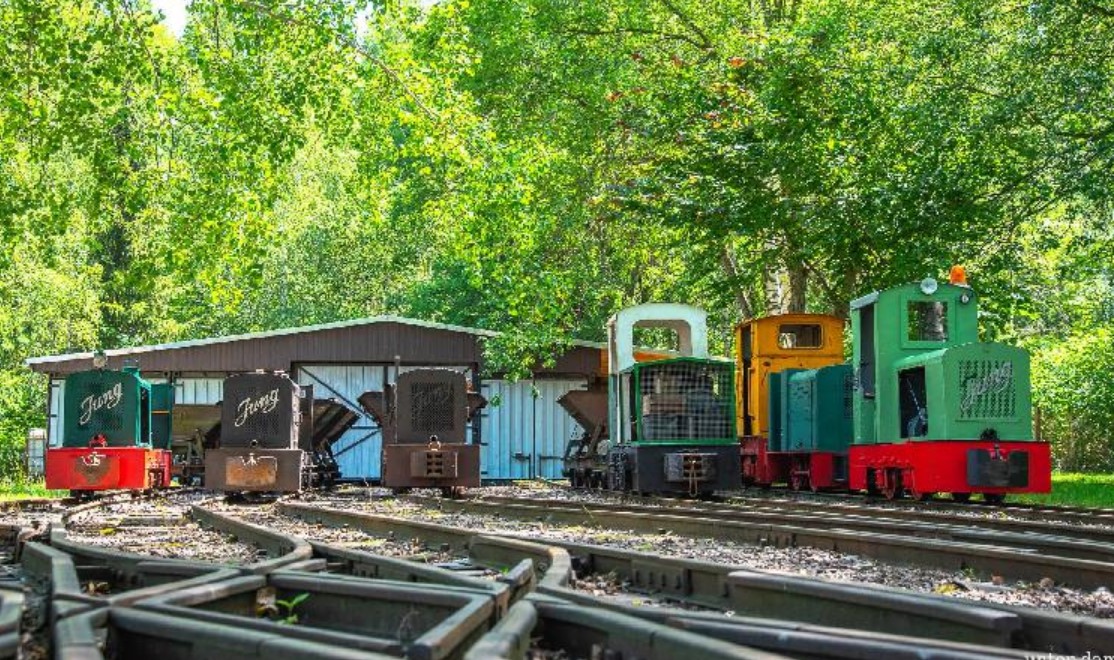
961	497
994	498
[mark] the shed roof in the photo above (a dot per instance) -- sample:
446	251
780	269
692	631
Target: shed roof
378	339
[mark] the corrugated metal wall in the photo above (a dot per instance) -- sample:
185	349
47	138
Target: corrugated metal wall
198	391
357	450
526	433
54	423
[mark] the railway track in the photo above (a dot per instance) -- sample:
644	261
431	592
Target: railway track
1073	514
334	578
1084	563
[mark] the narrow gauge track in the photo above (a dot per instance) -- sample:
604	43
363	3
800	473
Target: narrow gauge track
789	607
1084	542
1020	511
803	500
1031	557
493	597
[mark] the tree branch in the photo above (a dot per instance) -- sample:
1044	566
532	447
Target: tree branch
1105	12
706	43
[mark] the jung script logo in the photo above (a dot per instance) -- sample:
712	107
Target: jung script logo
108	399
250	407
996	380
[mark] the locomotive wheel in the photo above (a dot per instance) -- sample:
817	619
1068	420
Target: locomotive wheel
797	481
892	488
993	498
871	483
961	497
919	496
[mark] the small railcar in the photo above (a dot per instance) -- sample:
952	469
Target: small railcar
115	433
669	420
794	412
265	438
923	408
424	417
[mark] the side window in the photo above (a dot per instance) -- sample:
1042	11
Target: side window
928	320
866	351
799	335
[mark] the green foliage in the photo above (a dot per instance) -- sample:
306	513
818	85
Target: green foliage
532	166
1075	395
288	615
1073	489
21	489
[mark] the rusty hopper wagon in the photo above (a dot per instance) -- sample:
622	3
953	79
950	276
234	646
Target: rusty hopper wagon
262	416
424	417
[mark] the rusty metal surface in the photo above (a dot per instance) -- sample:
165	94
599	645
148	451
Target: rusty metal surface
588	408
708	584
430	403
254	470
260	409
418	466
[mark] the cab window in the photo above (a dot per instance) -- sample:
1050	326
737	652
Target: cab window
928	320
799	335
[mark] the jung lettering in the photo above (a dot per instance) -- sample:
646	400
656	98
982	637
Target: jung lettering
250	407
995	381
108	399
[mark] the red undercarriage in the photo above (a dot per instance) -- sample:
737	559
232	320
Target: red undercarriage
919	468
815	470
107	468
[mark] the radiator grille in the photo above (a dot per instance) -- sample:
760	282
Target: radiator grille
988	389
686	400
101	406
432	410
848	395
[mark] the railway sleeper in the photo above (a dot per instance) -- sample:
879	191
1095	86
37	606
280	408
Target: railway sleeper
378	616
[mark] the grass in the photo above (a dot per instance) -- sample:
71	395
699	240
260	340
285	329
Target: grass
24	490
1071	489
1074	489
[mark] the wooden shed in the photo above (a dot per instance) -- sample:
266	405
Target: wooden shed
523	433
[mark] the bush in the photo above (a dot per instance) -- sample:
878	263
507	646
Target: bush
22	406
1073	387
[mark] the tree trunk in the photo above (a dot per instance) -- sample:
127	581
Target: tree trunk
794	301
